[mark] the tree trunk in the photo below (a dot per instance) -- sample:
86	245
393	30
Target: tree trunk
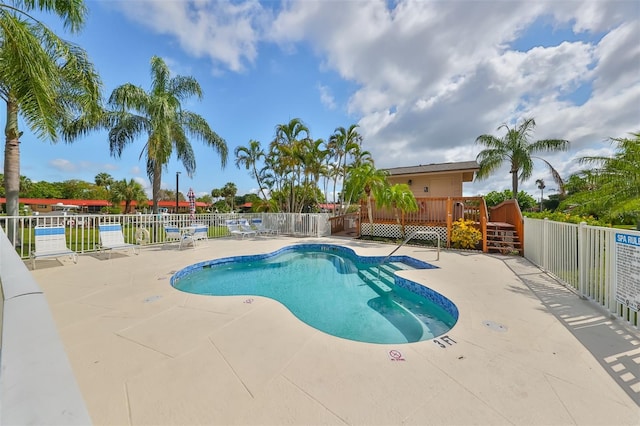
157	177
12	165
370	214
514	183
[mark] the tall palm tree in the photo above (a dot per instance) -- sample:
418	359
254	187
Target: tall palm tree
248	157
229	191
366	182
285	146
127	191
343	143
516	148
401	199
44	79
312	156
160	115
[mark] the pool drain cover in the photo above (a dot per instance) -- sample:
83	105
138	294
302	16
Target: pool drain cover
494	326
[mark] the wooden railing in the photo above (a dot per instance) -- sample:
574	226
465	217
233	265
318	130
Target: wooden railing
509	212
484	218
434	211
346	222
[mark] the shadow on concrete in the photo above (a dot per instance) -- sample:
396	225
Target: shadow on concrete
615	344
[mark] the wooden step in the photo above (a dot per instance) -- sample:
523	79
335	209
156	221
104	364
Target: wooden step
501	225
502	237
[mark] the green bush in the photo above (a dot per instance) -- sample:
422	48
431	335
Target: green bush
566	217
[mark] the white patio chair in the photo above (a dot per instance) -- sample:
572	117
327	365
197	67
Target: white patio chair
258	225
174	234
200	233
112	238
236	230
51	241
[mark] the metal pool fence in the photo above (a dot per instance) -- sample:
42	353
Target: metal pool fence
83	236
601	264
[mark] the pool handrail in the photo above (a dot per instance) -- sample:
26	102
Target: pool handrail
410	237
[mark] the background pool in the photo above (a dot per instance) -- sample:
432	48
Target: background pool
328	291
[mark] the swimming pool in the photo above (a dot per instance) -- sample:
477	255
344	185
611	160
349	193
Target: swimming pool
332	289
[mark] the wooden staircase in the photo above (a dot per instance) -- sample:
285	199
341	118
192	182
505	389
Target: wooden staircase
503	238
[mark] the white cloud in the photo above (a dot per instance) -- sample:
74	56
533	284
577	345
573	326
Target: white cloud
225	31
326	98
447	72
430	76
63	165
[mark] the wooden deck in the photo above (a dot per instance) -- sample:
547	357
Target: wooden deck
501	226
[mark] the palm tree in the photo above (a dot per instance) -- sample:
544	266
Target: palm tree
312	156
43	79
614	186
25	184
248	157
366	182
229	191
285	147
160	115
127	191
401	199
541	187
342	143
104	180
515	147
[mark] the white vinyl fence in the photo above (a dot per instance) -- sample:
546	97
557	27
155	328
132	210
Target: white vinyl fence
601	264
82	230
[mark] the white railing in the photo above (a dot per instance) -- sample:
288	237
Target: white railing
83	236
589	260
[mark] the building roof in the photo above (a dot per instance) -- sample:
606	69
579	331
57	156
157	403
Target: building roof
102	203
462	166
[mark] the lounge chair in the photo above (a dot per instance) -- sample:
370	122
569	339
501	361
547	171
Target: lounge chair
236	230
258	225
112	238
200	233
51	241
174	234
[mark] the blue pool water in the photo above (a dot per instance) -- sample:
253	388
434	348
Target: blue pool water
332	289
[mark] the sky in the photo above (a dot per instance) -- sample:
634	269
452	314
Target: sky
422	79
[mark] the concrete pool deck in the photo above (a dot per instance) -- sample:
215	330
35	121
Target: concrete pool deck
525	350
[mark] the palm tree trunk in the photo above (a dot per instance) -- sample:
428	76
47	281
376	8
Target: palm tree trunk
514	183
257	175
395	212
157	178
370	214
12	164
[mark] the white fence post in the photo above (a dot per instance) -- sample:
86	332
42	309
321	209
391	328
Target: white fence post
544	246
582	258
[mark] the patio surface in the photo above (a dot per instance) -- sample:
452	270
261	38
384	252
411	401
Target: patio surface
525	350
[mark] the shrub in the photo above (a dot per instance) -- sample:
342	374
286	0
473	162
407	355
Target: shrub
566	217
465	235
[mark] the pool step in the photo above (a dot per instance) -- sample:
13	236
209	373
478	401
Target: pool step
371	278
388	268
398	265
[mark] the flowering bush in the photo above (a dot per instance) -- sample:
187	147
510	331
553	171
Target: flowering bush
464	234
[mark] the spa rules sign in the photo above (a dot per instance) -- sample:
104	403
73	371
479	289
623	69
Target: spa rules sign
628	270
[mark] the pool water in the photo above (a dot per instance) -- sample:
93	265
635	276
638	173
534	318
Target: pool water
334	291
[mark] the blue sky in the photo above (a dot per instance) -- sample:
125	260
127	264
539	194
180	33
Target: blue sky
423	78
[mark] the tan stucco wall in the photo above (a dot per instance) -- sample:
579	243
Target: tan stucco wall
439	185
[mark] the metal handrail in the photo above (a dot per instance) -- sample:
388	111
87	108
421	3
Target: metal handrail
409	238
